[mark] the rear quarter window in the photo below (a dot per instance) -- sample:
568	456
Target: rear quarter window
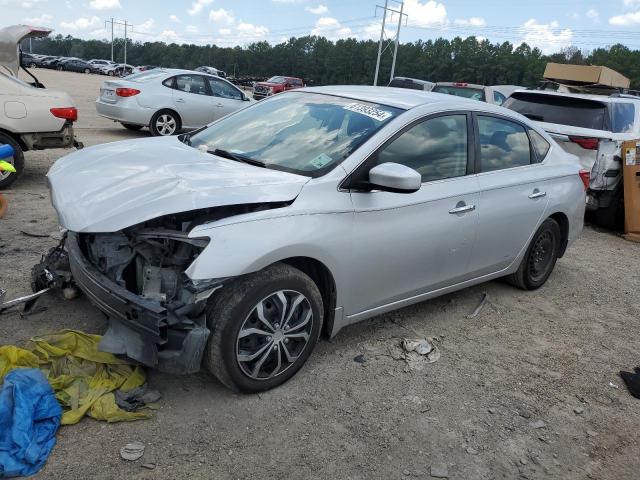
540	145
622	117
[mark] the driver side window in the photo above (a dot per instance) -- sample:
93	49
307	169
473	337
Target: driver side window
220	88
435	148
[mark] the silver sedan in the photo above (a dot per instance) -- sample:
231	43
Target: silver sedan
236	246
169	100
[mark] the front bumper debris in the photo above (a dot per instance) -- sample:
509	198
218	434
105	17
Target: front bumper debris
170	336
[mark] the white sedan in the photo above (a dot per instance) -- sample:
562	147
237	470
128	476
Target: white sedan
168	100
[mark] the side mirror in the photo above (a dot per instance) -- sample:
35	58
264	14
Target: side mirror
245	98
393	177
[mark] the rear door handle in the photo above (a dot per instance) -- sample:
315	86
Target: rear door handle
537	194
179	100
462	209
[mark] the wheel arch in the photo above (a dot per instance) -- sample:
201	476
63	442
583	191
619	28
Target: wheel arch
323	278
563	223
166	109
16	138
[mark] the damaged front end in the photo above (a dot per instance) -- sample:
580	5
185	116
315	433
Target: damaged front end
136	276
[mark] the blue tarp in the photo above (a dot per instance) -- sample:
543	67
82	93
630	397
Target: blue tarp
29	418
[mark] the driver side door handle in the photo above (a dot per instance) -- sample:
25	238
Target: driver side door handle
537	194
462	209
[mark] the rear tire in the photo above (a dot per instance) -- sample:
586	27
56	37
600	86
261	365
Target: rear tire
86	70
238	332
165	123
7	178
540	258
130	126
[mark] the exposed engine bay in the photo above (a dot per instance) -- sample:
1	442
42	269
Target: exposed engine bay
137	278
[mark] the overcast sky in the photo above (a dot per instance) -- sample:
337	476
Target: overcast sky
548	24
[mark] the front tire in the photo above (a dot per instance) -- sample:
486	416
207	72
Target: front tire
7	178
263	327
540	258
165	123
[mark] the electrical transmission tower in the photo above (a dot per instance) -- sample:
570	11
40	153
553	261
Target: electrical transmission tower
389	41
115	22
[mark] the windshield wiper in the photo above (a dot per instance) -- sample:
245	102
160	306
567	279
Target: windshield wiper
185	138
237	157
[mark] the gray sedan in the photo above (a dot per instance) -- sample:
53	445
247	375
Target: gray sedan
169	100
234	247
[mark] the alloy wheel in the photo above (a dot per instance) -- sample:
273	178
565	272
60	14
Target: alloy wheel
274	334
166	124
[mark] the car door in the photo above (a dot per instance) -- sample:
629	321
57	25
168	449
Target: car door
225	98
513	192
191	100
406	244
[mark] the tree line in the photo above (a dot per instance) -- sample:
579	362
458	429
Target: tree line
324	62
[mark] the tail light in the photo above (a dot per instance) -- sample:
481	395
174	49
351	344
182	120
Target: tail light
585	142
68	113
127	92
584	176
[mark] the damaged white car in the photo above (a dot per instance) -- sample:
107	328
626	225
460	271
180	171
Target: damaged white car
235	246
31	116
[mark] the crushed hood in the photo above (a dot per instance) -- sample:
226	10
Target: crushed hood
10	38
116	185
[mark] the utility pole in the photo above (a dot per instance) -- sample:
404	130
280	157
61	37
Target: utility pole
125	42
395	40
112	39
384	19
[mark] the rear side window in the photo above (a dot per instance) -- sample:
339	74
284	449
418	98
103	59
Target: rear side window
503	144
435	148
622	117
472	93
405	83
577	112
540	145
191	84
498	98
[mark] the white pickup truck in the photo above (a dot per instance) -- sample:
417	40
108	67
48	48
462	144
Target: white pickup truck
31	116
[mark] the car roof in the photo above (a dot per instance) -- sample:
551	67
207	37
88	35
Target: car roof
585	96
405	98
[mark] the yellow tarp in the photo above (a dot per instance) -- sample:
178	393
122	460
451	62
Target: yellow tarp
83	378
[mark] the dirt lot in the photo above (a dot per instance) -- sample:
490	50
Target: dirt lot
528	357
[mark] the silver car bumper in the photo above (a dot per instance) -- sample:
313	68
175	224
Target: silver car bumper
136	115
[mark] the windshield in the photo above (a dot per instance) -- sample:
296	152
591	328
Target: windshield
465	92
276	80
576	112
304	133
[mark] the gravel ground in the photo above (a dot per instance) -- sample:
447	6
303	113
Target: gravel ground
500	403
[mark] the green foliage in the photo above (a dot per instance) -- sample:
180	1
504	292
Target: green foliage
321	61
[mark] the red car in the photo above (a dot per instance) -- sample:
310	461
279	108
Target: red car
275	85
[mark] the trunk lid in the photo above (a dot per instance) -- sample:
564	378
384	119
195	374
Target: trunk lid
10	38
113	186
